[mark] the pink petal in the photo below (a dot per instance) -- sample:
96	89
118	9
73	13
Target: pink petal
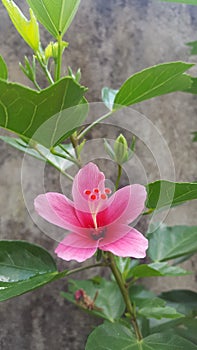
73	247
88	178
113	233
57	209
133	244
124	206
77	241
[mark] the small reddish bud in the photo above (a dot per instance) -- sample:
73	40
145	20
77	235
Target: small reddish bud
79	294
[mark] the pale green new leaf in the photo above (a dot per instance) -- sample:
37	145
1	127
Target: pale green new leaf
56	16
153	81
29	30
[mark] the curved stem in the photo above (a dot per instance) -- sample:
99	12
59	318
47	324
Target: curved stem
99	120
66	273
125	294
70	159
45	69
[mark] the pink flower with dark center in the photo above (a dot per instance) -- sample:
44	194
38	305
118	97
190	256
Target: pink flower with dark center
95	218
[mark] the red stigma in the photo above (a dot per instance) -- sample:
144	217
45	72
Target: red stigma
103	196
93	197
107	190
87	192
96	190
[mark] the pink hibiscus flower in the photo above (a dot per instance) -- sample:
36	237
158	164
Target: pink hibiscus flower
95	219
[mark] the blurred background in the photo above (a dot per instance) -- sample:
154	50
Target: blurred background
109	41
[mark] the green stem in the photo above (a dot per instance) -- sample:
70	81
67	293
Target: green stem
74	142
66	273
96	122
118	177
70	159
45	68
58	65
125	294
36	85
149	211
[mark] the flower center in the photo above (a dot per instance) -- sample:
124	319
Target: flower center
96	194
96	198
98	233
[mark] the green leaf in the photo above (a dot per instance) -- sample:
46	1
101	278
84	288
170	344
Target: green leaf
20	260
157	269
29	30
193	88
187	2
41	152
47	115
195	136
151	82
23	267
118	337
148	305
138	293
187	330
3	69
156	308
184	327
108	97
161	194
167	243
193	45
126	266
109	303
184	301
14	289
21	146
56	16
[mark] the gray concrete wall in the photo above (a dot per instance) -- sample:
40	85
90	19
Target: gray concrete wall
109	40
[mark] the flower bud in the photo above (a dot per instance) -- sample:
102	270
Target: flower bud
52	49
121	150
